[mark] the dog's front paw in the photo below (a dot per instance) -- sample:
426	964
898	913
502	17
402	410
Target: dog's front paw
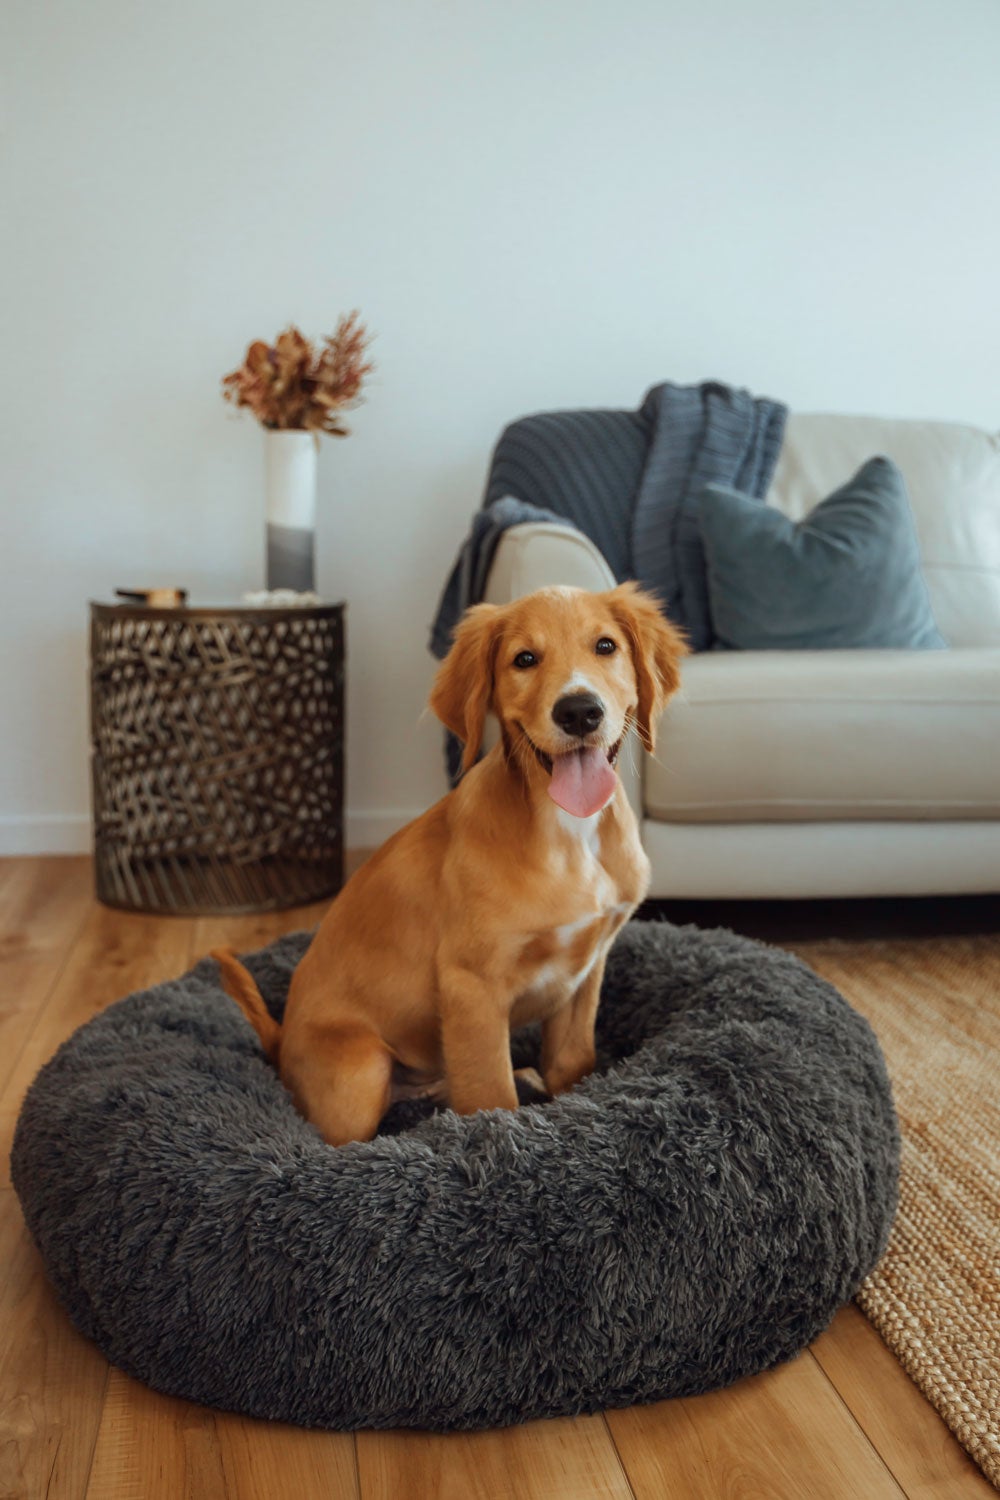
530	1087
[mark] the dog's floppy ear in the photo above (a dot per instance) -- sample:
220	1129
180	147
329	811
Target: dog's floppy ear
657	650
463	688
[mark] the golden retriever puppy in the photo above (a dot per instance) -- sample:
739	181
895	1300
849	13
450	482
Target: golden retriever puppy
498	905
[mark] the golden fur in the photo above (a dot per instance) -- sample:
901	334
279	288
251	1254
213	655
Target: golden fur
495	907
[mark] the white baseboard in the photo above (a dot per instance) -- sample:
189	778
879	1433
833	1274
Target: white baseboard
45	833
69	833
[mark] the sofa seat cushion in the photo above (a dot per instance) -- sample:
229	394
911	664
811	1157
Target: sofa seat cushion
773	736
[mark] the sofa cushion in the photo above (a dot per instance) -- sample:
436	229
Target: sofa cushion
952	473
775	736
848	574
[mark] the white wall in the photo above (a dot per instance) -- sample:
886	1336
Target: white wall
537	203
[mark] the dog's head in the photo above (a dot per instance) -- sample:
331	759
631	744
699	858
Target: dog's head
567	674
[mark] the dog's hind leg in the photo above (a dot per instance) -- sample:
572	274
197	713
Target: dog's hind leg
339	1077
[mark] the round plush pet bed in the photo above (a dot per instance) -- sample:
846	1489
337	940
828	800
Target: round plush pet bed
694	1211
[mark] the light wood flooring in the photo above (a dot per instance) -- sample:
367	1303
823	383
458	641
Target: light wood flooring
843	1421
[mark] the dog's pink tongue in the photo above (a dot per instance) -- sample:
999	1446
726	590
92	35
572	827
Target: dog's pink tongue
582	782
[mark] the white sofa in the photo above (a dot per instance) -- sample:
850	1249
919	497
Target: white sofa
830	773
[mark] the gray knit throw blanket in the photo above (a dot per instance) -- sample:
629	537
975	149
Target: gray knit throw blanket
631	481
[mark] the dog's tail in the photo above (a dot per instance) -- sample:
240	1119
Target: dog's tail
239	986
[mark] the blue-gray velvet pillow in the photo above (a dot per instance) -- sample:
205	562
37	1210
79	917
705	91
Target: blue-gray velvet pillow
846	575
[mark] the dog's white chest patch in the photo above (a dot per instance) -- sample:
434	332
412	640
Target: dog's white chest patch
587	830
584	866
568	931
555	982
549	990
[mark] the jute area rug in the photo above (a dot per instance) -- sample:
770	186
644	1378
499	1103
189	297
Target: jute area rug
935	1298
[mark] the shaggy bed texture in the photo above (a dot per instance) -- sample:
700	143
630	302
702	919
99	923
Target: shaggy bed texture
695	1211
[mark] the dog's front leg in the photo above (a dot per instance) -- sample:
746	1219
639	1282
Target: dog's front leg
475	1040
568	1052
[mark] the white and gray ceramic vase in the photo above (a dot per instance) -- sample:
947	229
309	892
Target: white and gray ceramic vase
290	508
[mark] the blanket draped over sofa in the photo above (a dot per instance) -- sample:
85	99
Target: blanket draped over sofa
630	481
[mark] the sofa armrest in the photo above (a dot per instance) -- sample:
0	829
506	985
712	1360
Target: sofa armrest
539	554
536	556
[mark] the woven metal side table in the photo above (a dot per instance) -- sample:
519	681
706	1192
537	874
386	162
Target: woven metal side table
217	757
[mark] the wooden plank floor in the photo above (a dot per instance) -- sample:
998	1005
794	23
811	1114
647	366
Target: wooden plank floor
843	1421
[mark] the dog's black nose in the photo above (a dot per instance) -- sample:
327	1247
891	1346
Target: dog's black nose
578	713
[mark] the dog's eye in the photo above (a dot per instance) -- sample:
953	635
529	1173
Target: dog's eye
525	659
605	646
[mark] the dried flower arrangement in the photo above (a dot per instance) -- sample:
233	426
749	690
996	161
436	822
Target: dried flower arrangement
292	384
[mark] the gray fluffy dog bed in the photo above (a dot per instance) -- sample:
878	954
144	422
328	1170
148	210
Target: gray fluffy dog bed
695	1211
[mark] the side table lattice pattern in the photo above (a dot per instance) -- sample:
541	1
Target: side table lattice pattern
217	757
